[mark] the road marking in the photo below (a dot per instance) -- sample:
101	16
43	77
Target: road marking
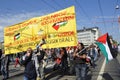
101	71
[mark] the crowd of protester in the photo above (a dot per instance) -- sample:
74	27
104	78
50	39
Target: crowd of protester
70	60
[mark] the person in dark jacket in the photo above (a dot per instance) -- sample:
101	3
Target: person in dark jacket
30	71
64	61
80	62
28	61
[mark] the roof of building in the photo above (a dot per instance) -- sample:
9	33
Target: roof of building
87	29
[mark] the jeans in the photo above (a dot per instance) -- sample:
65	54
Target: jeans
80	71
71	71
26	78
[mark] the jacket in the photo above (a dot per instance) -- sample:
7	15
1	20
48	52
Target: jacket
29	63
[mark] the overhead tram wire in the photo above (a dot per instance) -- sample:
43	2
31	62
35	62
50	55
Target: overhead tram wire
78	4
57	4
33	6
99	4
45	2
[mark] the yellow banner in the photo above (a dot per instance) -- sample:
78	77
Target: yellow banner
58	30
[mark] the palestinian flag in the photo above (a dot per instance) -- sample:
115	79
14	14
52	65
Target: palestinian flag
17	36
56	26
105	46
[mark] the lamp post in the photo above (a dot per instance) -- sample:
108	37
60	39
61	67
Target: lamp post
117	7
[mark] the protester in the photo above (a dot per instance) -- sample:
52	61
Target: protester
17	59
70	52
47	56
64	62
5	66
80	62
98	49
40	63
96	53
0	60
30	70
53	54
118	48
57	58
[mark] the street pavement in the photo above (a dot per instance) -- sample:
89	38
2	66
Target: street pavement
118	58
110	72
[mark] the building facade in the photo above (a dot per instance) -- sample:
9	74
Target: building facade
88	35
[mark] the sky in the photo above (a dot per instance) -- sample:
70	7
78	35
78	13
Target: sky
89	13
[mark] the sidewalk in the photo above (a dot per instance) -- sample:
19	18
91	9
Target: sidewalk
118	58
